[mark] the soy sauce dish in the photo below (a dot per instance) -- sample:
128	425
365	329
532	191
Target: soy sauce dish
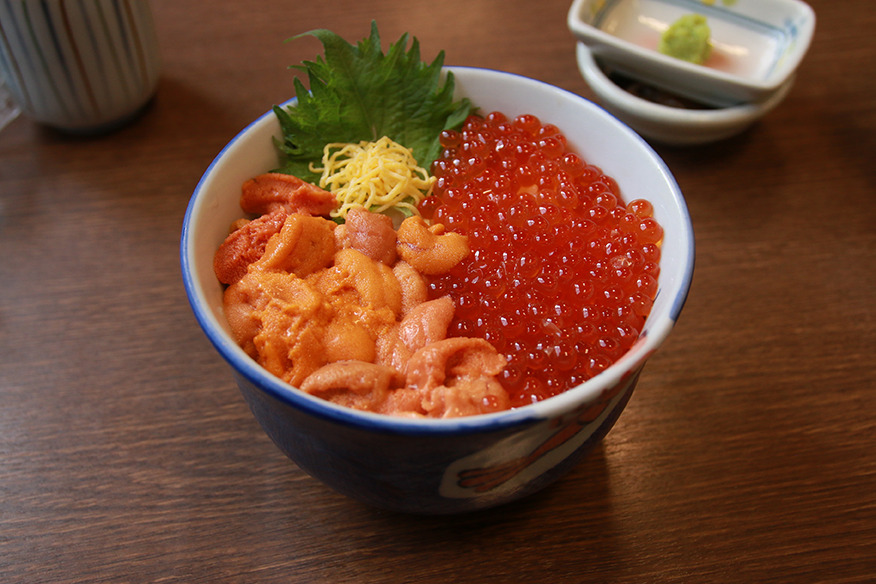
441	466
754	49
756	44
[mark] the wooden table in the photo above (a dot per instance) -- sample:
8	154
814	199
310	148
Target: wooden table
747	454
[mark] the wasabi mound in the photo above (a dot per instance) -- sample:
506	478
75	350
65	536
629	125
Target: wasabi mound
687	39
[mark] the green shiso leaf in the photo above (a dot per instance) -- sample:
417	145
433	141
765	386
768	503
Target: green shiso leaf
358	93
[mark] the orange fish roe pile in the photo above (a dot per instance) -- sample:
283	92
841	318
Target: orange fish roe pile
561	274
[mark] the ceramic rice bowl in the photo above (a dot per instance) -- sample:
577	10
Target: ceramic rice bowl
440	466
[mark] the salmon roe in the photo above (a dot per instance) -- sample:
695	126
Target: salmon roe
562	273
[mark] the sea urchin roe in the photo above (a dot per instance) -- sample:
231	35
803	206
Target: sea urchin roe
377	175
318	311
561	274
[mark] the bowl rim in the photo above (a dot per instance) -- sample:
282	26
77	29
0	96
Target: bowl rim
550	408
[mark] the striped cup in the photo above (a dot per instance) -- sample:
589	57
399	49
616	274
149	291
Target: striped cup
84	66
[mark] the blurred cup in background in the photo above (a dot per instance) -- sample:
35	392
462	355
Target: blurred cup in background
8	109
83	66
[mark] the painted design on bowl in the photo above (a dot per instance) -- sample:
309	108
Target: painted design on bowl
524	457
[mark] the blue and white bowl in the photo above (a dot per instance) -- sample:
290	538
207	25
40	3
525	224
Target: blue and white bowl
439	466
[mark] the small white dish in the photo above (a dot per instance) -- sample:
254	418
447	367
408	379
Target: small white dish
757	45
677	126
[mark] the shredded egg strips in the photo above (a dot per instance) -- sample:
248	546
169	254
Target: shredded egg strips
376	175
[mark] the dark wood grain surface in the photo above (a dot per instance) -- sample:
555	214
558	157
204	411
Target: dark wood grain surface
747	453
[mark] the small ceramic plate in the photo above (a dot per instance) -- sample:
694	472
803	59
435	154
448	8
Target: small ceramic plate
666	118
756	44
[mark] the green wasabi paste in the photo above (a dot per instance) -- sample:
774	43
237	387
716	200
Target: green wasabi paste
687	39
